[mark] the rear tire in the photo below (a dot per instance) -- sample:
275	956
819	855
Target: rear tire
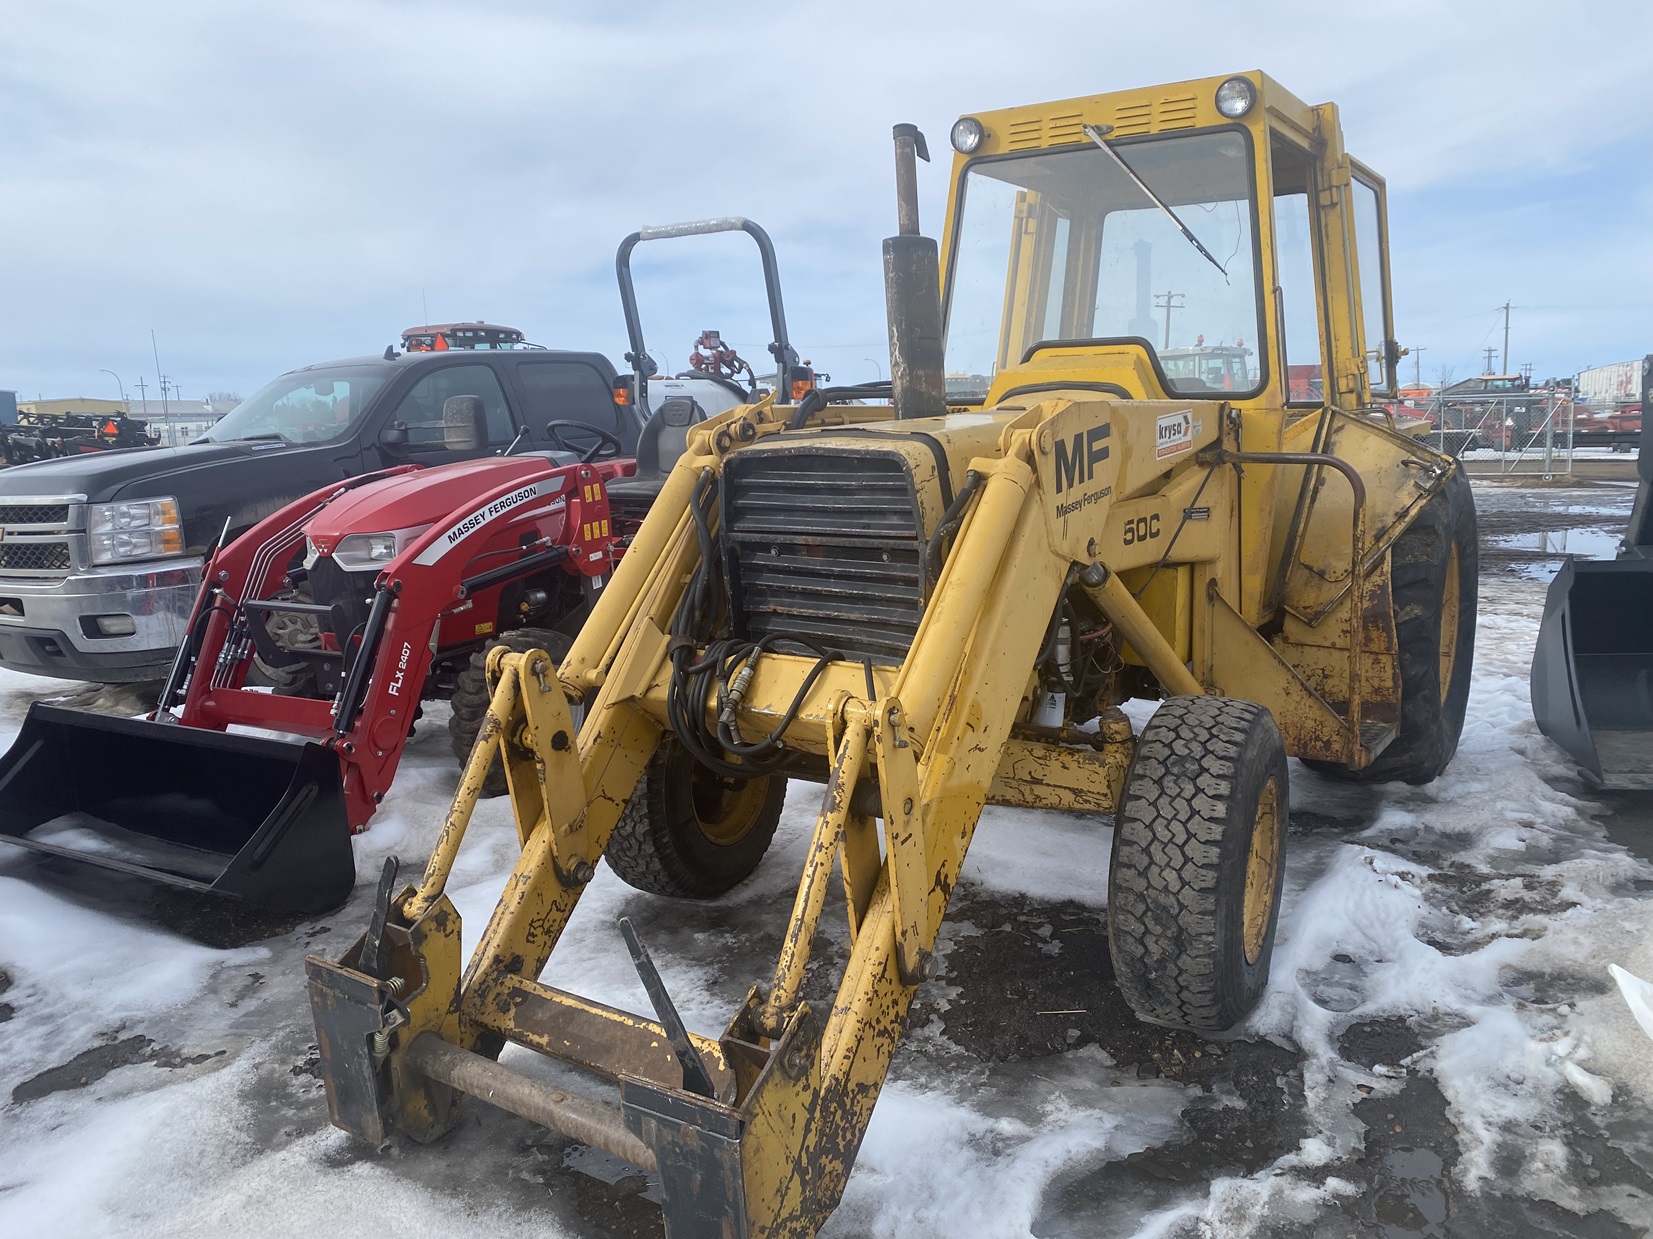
689	833
470	695
1198	860
1434	568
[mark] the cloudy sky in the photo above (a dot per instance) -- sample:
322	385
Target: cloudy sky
269	185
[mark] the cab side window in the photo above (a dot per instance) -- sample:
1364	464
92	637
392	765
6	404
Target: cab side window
569	391
1374	300
421	408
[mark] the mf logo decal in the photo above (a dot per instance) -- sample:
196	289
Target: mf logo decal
1077	458
1078	455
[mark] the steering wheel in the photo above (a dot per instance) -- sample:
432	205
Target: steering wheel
607	446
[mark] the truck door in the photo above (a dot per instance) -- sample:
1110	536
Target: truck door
571	390
420	411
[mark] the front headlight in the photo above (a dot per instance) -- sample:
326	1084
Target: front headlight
134	529
364	552
1235	97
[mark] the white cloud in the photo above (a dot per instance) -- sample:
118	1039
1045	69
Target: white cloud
270	186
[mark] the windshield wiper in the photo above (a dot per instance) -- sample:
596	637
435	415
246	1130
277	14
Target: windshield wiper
263	438
1095	134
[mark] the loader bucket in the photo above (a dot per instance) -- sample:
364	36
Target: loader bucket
1592	671
259	819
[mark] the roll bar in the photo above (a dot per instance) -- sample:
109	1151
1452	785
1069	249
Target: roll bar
642	364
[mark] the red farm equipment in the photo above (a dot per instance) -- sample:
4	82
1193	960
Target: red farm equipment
329	621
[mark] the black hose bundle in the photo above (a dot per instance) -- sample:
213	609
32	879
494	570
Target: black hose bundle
724	672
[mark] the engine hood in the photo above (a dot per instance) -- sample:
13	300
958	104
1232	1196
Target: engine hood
422	497
127	473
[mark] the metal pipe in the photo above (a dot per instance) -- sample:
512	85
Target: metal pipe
1132	622
596	1123
912	294
908	143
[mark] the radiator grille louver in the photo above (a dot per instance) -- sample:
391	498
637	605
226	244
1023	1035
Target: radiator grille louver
826	547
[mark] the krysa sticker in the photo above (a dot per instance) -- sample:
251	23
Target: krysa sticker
1173	433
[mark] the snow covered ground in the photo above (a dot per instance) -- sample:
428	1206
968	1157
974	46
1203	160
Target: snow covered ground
1441	1051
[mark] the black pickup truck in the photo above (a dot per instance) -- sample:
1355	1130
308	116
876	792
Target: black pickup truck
100	556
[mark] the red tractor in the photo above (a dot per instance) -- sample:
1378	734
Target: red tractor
330	621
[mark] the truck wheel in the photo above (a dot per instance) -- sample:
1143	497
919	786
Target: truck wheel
690	833
470	695
1434	567
1198	859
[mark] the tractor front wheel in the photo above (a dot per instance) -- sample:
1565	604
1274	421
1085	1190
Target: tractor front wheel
1198	858
689	832
470	695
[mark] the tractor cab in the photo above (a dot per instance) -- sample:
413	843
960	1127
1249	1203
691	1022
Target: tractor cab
1209	368
1104	235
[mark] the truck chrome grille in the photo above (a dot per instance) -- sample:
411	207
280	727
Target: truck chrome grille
826	546
35	538
34	557
34	514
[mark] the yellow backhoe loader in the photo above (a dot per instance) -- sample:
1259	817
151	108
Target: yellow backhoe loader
941	603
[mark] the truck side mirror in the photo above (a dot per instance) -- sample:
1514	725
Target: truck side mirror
394	436
464	424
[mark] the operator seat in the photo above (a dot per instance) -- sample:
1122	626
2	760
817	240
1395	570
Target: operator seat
664	439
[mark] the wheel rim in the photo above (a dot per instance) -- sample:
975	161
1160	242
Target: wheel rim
1260	871
1449	622
726	810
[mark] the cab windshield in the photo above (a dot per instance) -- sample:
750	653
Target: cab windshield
1062	245
306	406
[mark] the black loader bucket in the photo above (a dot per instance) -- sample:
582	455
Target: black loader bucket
1592	672
256	818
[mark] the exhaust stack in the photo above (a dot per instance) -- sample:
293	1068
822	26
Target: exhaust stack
912	293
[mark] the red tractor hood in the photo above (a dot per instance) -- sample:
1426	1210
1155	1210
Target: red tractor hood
422	497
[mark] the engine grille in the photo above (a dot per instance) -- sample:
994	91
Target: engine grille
34	557
827	547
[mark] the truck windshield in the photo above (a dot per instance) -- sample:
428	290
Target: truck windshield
1061	245
307	406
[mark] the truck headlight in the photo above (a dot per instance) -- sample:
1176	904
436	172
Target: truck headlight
362	552
134	529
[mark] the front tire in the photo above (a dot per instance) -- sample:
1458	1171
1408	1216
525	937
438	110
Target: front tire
470	695
1198	861
1433	569
689	833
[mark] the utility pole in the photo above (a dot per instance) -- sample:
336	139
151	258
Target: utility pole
1417	365
1489	352
141	395
1506	363
1169	301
